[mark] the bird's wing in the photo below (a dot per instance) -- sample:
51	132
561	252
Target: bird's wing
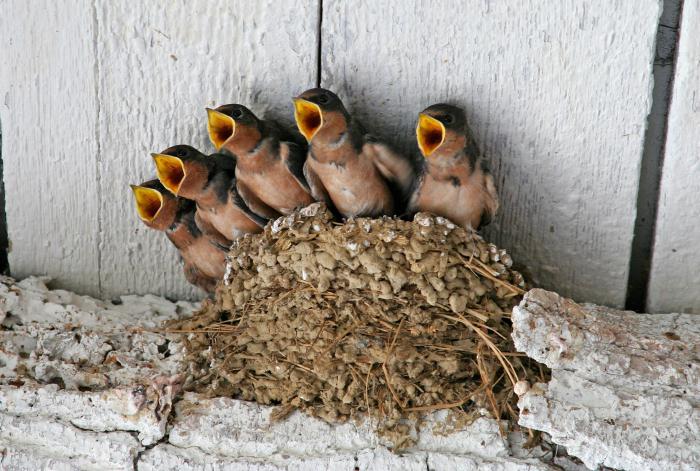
294	158
195	277
490	200
412	202
318	191
214	236
246	201
396	168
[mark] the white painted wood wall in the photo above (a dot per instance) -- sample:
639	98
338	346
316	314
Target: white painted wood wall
558	93
675	271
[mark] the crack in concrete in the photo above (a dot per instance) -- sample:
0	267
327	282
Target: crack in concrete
145	448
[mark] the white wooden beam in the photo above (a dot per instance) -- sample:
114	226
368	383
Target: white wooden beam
48	111
675	277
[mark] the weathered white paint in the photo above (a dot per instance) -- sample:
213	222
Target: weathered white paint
93	88
557	93
630	404
48	112
243	433
121	378
674	274
625	387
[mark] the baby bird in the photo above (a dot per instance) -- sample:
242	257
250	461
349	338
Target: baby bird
453	180
345	167
210	182
204	258
269	167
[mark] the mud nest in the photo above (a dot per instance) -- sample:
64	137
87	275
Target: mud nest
379	318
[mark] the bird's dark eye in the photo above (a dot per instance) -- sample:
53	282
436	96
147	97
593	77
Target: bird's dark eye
323	99
448	119
236	113
181	153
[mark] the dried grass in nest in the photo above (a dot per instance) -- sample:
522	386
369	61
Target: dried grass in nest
383	318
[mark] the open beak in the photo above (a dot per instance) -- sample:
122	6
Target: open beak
148	202
221	127
171	171
308	117
430	134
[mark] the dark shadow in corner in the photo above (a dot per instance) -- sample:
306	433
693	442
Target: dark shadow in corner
652	158
4	264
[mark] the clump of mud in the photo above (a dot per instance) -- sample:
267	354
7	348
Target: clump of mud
378	318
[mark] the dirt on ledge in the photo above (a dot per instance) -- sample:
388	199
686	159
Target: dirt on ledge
384	318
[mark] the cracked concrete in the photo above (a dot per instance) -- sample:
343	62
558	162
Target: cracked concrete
625	387
87	384
110	402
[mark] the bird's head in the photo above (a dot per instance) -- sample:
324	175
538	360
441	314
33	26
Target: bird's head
156	207
233	128
319	112
182	170
439	130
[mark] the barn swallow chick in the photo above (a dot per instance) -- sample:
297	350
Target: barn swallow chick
269	167
204	258
345	167
453	180
211	183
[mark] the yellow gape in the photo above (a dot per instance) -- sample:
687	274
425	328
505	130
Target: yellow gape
148	202
430	133
221	127
171	171
308	117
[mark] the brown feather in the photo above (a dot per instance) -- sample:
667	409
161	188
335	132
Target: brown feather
227	218
356	187
457	193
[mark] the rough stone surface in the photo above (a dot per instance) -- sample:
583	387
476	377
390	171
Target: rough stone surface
129	409
235	431
39	441
84	385
625	388
112	395
52	336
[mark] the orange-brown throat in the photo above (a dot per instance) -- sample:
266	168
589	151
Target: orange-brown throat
247	139
308	116
149	202
430	134
221	127
171	171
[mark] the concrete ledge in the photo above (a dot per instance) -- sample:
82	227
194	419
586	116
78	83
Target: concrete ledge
625	388
85	385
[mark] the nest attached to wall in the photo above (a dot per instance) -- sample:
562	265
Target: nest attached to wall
384	318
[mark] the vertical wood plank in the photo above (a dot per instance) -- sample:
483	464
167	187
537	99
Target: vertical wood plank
48	112
675	277
160	63
652	158
557	93
4	265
